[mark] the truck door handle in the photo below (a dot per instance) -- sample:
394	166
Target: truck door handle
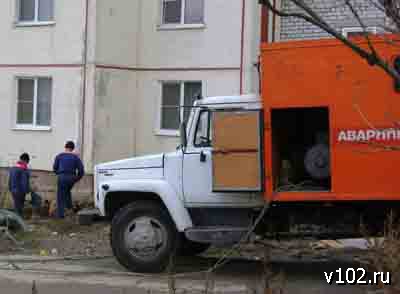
202	157
226	151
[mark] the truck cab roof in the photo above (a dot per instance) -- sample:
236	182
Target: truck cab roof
224	100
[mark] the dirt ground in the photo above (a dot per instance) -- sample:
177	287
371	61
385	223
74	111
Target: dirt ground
53	237
301	263
60	238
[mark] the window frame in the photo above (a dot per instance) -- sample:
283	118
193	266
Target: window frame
33	126
181	24
35	21
345	31
171	132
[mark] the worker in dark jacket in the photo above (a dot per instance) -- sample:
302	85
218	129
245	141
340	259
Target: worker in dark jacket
18	182
69	169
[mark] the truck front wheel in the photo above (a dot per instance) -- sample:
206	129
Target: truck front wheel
143	237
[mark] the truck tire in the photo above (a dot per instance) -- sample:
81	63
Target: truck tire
143	237
190	248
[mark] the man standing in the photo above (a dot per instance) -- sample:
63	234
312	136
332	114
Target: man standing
69	169
18	183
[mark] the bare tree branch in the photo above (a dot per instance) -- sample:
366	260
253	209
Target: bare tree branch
377	4
364	27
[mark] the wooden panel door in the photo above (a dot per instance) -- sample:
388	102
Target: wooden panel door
237	163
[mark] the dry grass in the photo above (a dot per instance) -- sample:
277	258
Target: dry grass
383	254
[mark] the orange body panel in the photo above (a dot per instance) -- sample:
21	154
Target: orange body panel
364	114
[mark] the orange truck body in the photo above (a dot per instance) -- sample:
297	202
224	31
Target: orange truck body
364	115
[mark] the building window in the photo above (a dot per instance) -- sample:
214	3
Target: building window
182	12
175	95
34	102
35	11
357	31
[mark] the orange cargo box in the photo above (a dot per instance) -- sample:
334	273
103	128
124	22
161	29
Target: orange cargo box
317	92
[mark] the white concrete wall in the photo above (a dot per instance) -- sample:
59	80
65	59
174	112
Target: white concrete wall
54	50
60	43
114	124
117	25
215	45
252	39
129	36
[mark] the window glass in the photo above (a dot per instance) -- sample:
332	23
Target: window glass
25	101
192	91
27	10
34	101
194	11
177	99
172	10
46	10
358	31
203	134
44	102
25	113
170	114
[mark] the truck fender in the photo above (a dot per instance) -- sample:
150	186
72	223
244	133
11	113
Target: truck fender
168	195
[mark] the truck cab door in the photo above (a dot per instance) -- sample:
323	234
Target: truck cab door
222	165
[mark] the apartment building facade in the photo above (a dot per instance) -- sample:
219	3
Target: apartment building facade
107	74
41	70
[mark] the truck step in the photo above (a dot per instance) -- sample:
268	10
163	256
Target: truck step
87	217
223	235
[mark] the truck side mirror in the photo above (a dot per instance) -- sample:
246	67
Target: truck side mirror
183	135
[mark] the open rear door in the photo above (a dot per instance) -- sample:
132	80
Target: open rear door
237	160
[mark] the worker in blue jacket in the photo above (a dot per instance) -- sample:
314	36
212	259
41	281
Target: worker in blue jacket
18	182
69	169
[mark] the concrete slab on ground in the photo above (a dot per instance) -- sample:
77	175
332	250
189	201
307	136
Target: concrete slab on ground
105	275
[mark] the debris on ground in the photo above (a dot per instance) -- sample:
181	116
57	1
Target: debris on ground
12	220
65	237
327	244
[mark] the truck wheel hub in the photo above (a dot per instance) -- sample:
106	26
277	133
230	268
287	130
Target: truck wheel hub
145	237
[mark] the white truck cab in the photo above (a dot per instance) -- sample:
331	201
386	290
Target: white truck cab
183	201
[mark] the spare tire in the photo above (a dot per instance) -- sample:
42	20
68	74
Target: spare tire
317	162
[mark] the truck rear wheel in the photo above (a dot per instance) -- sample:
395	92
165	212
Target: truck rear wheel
143	236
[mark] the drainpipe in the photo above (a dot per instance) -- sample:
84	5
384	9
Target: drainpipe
242	46
273	23
84	79
264	38
264	24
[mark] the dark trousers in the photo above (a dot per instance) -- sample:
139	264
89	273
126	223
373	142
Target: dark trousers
65	184
19	202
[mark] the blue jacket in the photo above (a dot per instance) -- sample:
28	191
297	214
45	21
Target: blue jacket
68	164
18	181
